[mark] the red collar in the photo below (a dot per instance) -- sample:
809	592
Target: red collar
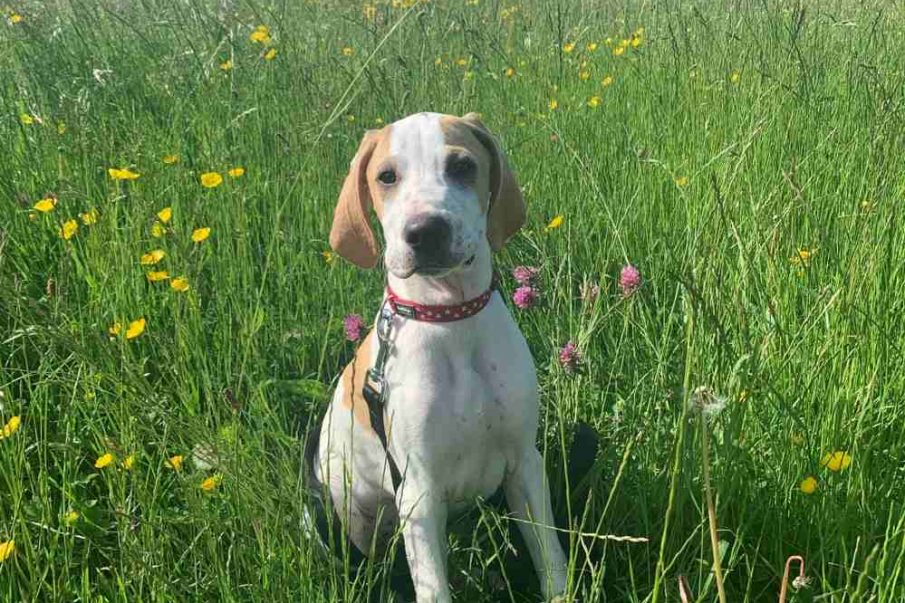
439	312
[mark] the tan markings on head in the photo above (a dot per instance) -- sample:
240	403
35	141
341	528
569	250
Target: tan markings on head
507	206
353	381
351	235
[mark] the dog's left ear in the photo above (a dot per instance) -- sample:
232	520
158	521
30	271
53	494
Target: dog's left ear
351	235
507	206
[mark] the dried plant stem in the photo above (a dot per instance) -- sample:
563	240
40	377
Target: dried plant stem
711	511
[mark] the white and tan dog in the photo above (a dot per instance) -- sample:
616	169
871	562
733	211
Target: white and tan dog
462	401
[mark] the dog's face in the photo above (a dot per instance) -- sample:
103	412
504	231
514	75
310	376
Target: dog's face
441	188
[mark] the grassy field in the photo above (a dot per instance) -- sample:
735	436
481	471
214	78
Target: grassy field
746	157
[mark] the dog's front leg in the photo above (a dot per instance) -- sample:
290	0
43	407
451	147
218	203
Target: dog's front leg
528	497
423	522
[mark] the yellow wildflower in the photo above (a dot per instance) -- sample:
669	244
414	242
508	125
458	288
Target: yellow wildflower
7	549
129	462
180	284
555	223
104	460
152	257
212	483
226	65
61	128
270	54
370	11
261	35
199	235
11	427
584	75
734	77
70	517
636	41
808	485
461	62
591	46
136	328
236	172
329	256
839	460
15	18
608	41
619	51
157	230
594	102
568	47
803	257
175	462
347	51
553	104
165	214
68	230
170	159
45	205
26	119
158	275
509	72
681	181
115	329
211	179
89	217
607	81
122	174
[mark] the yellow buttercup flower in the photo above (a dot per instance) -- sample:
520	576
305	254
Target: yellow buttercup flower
509	72
636	41
594	102
104	460
170	159
369	11
461	62
15	18
584	75
735	77
45	205
261	35
158	275
591	46
553	104
568	47
152	257
607	81
681	181
70	517
619	51
136	328
236	172
347	51
180	284
808	485
803	257
270	54
199	235
212	483
211	179
839	460
165	214
329	256
175	462
122	174
129	462
68	230
7	549
555	223
11	427
115	329
89	217
157	230
26	119
226	65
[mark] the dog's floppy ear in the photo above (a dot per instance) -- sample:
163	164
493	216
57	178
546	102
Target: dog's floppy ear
507	206
351	235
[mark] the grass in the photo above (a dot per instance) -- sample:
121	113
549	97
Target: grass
735	135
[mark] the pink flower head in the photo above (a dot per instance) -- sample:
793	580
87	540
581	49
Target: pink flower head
353	325
629	280
525	275
569	357
525	297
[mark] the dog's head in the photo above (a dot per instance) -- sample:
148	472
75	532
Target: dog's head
441	188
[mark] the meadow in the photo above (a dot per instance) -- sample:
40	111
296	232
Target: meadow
171	316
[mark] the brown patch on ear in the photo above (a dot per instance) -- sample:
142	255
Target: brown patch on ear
351	235
507	206
353	381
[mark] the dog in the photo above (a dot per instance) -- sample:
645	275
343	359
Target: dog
440	405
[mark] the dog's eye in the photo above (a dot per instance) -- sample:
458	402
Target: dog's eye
387	176
460	167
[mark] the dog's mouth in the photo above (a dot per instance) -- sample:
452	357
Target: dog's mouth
432	269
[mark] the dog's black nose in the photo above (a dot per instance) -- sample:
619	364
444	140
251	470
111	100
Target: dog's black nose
428	234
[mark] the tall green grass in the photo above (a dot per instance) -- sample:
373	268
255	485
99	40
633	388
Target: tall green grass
735	135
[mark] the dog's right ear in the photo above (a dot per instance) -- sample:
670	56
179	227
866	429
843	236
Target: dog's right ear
351	235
